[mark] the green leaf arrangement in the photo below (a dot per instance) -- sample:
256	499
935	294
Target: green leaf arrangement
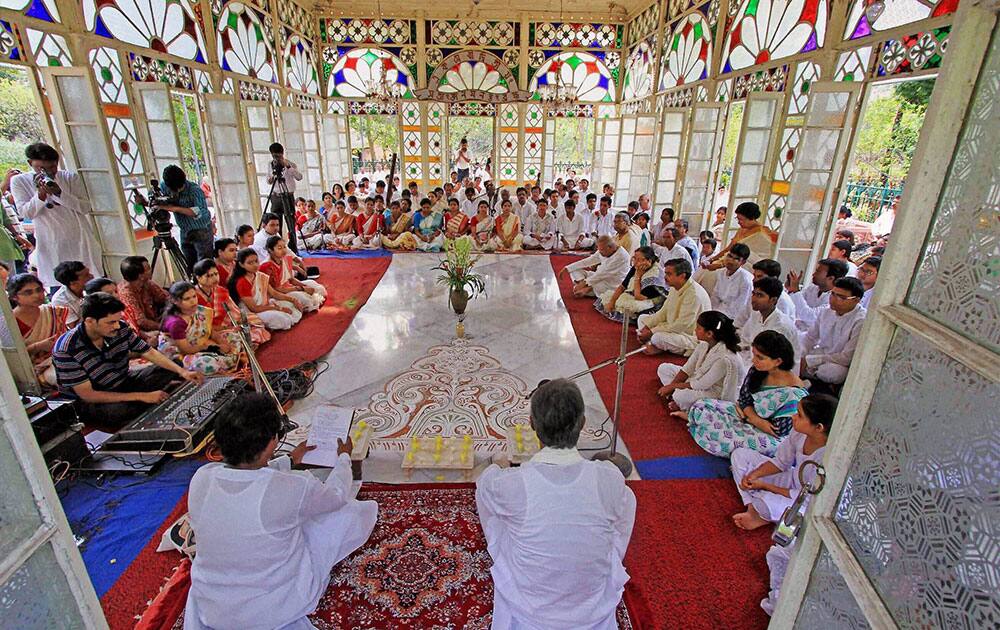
456	268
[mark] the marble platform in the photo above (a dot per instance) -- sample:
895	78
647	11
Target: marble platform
400	366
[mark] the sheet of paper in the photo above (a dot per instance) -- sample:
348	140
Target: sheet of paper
329	424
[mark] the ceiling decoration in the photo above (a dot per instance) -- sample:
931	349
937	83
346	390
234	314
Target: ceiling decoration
472	75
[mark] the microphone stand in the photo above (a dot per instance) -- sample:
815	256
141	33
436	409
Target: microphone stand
260	382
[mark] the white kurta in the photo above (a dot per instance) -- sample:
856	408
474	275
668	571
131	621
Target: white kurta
609	274
828	347
675	252
808	302
523	212
62	232
557	529
776	321
571	229
732	292
713	372
603	225
787	458
267	540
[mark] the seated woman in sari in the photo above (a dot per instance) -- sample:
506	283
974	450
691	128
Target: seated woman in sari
762	415
369	227
188	335
481	227
751	233
427	226
307	295
714	370
642	291
314	230
507	230
225	258
252	289
40	323
456	222
397	229
211	294
341	226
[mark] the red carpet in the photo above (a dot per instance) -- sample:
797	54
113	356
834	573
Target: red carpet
690	567
349	283
646	427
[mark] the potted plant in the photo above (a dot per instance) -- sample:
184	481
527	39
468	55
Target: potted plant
463	284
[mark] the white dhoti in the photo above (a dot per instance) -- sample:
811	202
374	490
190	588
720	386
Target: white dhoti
675	343
434	244
684	398
374	242
545	242
320	241
827	372
277	320
769	505
597	287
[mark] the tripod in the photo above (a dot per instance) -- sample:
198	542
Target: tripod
285	213
166	245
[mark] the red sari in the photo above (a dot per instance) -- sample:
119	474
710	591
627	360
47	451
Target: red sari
455	225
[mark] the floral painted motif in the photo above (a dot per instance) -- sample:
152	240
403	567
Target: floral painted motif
473	75
638	72
243	45
166	26
867	17
764	30
300	67
592	78
688	52
356	68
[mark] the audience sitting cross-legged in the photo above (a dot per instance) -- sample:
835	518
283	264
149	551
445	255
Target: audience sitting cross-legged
733	283
600	272
428	227
307	295
507	231
397	229
714	370
557	527
815	297
252	289
828	346
226	315
765	315
144	300
672	328
72	275
642	290
188	335
40	324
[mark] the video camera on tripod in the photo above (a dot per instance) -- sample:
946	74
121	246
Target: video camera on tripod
157	217
278	170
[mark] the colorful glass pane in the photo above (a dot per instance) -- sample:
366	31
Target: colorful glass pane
300	67
167	26
592	78
49	49
44	10
638	72
358	68
688	52
9	48
243	46
867	17
473	75
764	30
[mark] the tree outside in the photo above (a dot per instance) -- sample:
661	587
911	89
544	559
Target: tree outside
478	130
20	123
373	141
574	146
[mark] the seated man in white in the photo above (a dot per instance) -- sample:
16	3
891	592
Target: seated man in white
521	206
267	537
809	301
602	271
667	246
765	315
627	234
828	347
270	225
602	222
571	229
540	231
867	274
557	527
672	328
733	283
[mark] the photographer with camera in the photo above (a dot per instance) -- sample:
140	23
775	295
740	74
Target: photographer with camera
56	202
187	202
283	176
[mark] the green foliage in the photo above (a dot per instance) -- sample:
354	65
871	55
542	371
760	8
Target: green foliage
478	130
368	132
19	117
730	143
574	140
457	268
188	127
889	132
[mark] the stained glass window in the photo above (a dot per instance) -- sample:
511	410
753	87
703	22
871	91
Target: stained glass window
167	26
8	42
356	68
300	67
592	78
867	17
764	30
49	49
243	46
473	75
688	52
638	72
39	9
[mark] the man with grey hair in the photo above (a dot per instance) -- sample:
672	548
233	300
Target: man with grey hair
627	234
600	272
557	527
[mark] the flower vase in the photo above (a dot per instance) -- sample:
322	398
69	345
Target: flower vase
458	299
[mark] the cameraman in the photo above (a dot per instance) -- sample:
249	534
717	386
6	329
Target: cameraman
57	204
193	218
283	199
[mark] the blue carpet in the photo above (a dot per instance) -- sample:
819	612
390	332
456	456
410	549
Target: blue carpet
353	253
694	467
117	517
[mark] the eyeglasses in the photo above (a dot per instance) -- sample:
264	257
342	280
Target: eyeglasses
841	296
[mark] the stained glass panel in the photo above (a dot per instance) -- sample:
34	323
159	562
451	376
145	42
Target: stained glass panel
638	81
49	49
688	52
473	75
44	10
357	68
764	30
9	46
168	26
592	78
300	66
244	46
867	17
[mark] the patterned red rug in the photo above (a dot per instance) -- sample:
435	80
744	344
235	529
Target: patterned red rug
349	283
425	566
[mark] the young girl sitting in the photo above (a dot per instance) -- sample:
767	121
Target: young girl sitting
187	334
225	250
714	369
642	291
224	310
763	411
253	290
308	295
768	485
244	237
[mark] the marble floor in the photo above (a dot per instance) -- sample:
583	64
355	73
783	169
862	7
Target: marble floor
401	367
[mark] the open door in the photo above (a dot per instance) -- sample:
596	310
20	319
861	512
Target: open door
161	134
608	135
752	171
336	150
701	164
233	198
668	168
819	163
260	135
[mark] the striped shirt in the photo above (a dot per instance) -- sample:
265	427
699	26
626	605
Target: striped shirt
77	360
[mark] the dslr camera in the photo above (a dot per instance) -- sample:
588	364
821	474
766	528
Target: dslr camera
157	218
278	169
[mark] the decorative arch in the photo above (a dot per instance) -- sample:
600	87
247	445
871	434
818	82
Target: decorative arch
243	46
300	66
167	26
591	76
688	52
356	67
473	75
638	81
765	30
